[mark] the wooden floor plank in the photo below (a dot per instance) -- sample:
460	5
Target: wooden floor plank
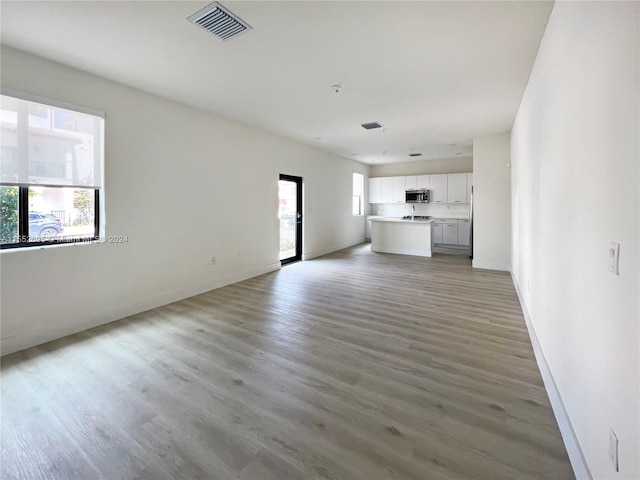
354	365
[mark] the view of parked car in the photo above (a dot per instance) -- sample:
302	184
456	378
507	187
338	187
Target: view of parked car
44	225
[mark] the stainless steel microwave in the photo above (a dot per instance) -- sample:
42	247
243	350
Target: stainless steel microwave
416	196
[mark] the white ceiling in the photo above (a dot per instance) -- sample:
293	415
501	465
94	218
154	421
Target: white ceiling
433	73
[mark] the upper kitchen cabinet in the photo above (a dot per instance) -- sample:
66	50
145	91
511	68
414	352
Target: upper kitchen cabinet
375	190
423	182
411	182
386	189
398	188
469	185
457	188
438	187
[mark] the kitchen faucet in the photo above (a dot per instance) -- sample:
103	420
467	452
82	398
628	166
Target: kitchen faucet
413	211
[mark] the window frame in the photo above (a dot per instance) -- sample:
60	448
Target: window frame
359	196
23	188
23	222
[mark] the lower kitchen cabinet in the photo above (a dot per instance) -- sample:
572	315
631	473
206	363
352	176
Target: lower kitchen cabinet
437	233
463	232
450	233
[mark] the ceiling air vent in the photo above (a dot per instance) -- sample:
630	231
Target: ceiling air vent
370	126
219	21
415	154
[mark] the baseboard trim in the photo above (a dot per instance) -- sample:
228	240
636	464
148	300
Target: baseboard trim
503	267
400	251
37	337
335	248
571	443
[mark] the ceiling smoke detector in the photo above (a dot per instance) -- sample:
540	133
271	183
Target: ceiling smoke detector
219	21
371	125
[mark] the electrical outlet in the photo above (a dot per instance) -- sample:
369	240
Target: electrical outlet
213	260
614	257
613	450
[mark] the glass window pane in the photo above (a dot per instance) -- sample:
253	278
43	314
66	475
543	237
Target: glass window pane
357	204
358	184
9	214
61	212
288	215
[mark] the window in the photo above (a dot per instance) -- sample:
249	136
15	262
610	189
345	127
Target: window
51	172
358	193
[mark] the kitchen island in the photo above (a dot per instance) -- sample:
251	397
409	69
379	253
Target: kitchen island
401	236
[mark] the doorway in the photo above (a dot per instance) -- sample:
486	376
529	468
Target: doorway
290	215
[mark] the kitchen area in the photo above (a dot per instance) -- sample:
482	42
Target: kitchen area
421	214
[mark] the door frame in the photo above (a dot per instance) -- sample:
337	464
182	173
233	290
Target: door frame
298	255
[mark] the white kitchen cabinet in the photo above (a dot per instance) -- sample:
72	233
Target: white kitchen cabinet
423	182
411	182
375	192
457	188
438	187
386	189
469	185
397	190
450	233
463	232
436	232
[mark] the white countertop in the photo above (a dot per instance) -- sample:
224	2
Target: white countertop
380	218
400	220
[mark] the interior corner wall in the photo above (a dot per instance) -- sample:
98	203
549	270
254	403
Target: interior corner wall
492	202
575	188
182	185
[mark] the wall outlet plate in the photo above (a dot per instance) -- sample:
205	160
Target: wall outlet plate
614	257
613	450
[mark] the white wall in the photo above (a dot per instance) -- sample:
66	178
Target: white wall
575	187
183	185
423	167
492	202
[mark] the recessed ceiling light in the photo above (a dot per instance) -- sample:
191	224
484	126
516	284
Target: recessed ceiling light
453	144
317	138
354	154
458	153
371	125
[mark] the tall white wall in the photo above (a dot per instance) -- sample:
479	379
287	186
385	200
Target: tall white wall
183	186
492	202
575	187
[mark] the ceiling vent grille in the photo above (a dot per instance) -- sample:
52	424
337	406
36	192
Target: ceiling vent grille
219	21
370	125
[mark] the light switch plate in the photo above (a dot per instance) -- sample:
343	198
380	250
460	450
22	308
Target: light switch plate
614	257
